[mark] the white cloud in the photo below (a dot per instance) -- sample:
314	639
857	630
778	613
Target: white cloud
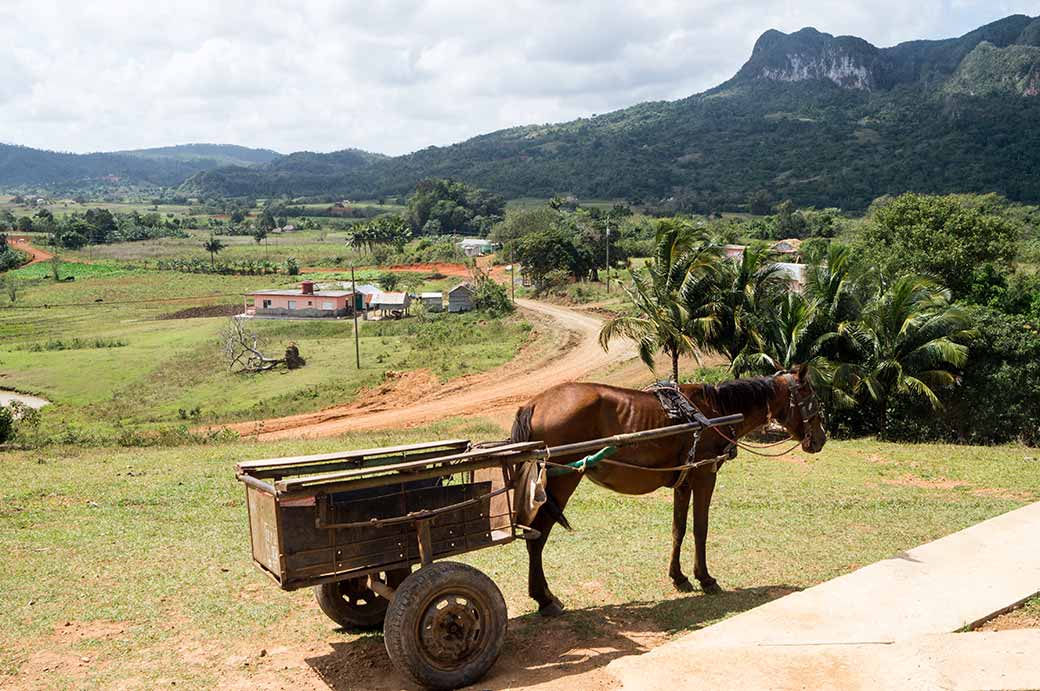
387	76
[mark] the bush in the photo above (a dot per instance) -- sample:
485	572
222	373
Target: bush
492	297
997	398
6	424
292	267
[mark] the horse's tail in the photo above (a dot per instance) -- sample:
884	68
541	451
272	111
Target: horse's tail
522	432
522	424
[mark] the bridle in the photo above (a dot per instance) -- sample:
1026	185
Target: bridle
803	398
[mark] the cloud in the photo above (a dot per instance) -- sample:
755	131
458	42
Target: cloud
389	76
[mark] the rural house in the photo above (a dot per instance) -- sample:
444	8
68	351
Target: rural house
460	298
304	301
433	301
391	304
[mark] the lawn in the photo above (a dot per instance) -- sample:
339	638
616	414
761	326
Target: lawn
137	560
165	370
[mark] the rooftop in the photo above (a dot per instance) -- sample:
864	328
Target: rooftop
298	292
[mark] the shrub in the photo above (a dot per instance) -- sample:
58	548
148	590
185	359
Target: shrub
6	424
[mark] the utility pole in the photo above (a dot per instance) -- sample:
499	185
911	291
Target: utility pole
608	255
353	297
512	274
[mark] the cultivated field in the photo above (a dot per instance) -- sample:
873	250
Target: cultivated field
130	567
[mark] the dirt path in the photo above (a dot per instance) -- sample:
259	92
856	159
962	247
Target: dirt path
20	242
575	355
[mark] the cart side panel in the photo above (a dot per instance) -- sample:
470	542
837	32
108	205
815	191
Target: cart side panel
319	544
263	531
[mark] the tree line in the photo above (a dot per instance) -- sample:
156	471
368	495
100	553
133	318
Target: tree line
921	326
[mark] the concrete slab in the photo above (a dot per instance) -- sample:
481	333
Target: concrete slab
846	626
991	660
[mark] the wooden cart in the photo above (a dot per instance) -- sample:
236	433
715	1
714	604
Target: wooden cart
352	525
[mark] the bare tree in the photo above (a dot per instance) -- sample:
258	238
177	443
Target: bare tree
243	350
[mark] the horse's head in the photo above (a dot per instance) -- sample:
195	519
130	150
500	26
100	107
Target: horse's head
801	415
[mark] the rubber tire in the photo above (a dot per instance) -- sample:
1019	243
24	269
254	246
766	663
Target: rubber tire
336	608
405	613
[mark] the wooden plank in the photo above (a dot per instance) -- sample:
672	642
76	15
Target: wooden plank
491	452
251	467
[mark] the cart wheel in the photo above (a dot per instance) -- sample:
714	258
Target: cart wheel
352	605
445	626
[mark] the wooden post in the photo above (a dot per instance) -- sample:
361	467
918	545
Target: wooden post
422	528
354	300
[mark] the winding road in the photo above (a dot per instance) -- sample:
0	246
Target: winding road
495	393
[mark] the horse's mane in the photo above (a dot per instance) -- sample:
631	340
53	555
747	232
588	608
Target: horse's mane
740	394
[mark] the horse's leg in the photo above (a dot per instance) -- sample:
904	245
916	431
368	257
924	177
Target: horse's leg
703	487
680	509
560	489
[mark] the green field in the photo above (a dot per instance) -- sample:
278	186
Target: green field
165	370
137	559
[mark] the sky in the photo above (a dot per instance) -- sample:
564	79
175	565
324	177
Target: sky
391	77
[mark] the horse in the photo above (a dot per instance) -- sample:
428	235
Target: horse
574	412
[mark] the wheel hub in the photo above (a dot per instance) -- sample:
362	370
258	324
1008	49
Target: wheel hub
451	629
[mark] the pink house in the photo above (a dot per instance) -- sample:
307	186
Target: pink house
303	302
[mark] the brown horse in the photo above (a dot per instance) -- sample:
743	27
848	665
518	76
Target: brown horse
576	412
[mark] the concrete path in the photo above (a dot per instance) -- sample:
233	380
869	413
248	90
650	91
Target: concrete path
875	626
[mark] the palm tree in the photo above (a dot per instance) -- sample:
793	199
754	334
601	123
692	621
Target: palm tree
661	321
908	344
213	246
734	299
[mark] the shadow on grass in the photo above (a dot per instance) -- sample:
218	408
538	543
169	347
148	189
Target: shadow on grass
539	650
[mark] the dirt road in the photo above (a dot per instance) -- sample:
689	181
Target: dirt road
20	242
417	399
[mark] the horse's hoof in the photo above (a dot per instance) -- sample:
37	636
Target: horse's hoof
683	586
553	609
711	587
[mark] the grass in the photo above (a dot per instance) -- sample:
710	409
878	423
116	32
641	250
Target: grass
156	540
49	342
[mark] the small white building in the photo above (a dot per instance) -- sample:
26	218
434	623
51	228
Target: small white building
433	301
793	274
460	298
476	247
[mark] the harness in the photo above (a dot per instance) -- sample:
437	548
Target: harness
678	407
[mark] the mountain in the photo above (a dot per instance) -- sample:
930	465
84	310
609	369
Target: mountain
819	119
21	166
221	154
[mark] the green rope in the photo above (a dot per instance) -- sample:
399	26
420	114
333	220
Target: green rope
583	464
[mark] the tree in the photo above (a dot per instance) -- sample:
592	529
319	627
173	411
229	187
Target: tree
388	280
259	234
759	204
908	342
214	247
661	322
737	299
242	350
545	251
942	237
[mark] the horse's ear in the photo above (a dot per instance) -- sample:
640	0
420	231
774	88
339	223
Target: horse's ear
803	371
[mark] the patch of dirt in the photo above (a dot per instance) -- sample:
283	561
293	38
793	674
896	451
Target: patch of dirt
21	242
914	481
574	355
879	460
1022	617
76	631
204	311
1001	493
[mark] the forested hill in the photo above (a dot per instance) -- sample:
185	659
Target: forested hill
823	120
21	166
